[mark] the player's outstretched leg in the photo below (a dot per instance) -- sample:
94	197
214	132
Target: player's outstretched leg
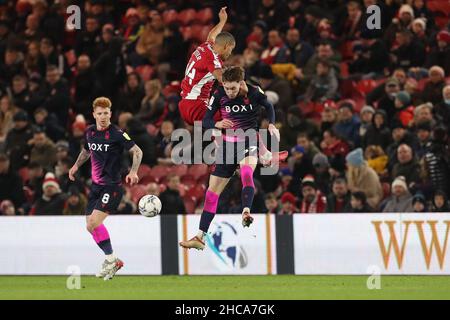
95	226
216	186
248	192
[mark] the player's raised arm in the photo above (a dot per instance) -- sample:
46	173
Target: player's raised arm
132	177
262	100
218	27
82	158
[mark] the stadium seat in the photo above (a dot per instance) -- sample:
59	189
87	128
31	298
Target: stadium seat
204	179
144	170
147	179
170	16
198	191
198	170
204	16
185	17
196	32
158	172
343	66
190	204
421	84
137	191
180	170
188	179
366	85
346	50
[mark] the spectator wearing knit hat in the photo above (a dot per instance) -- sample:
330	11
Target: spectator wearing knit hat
288	204
314	201
438	56
52	200
322	175
361	177
366	116
419	203
432	92
401	199
403	109
402	22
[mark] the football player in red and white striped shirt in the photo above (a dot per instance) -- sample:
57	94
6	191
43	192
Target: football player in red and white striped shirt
204	67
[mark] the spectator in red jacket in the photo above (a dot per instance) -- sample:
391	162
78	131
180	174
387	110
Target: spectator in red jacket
332	145
313	200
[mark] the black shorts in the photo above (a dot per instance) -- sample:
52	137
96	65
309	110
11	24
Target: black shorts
104	198
229	154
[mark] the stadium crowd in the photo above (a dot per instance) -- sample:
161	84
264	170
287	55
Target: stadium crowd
364	114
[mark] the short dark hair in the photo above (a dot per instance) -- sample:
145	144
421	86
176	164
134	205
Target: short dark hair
224	38
339	180
233	74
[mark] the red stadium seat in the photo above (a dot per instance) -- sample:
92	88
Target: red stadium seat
204	179
386	189
158	172
147	179
169	16
346	50
198	170
196	32
180	170
198	191
344	69
186	16
144	170
190	204
365	86
137	192
421	84
204	16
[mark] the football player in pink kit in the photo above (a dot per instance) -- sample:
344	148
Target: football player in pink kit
105	144
204	67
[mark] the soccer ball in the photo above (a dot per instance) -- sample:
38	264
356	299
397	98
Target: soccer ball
150	205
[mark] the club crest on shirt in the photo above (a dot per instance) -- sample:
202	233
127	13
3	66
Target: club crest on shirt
126	136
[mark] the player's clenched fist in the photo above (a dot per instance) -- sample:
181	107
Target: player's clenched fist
132	178
72	172
223	14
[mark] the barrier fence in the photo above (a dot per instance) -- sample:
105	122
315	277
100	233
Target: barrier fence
299	244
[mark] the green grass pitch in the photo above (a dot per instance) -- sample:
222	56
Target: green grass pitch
282	287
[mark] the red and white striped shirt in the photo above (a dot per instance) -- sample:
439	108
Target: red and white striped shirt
199	77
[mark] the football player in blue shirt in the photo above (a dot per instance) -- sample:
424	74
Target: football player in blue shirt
240	141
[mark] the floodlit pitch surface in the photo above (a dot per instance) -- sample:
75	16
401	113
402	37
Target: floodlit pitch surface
280	287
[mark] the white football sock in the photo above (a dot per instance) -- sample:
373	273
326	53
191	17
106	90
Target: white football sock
110	257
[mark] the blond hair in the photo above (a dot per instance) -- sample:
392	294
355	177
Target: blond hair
102	102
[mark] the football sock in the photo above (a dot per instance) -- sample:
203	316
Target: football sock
209	210
101	237
248	187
